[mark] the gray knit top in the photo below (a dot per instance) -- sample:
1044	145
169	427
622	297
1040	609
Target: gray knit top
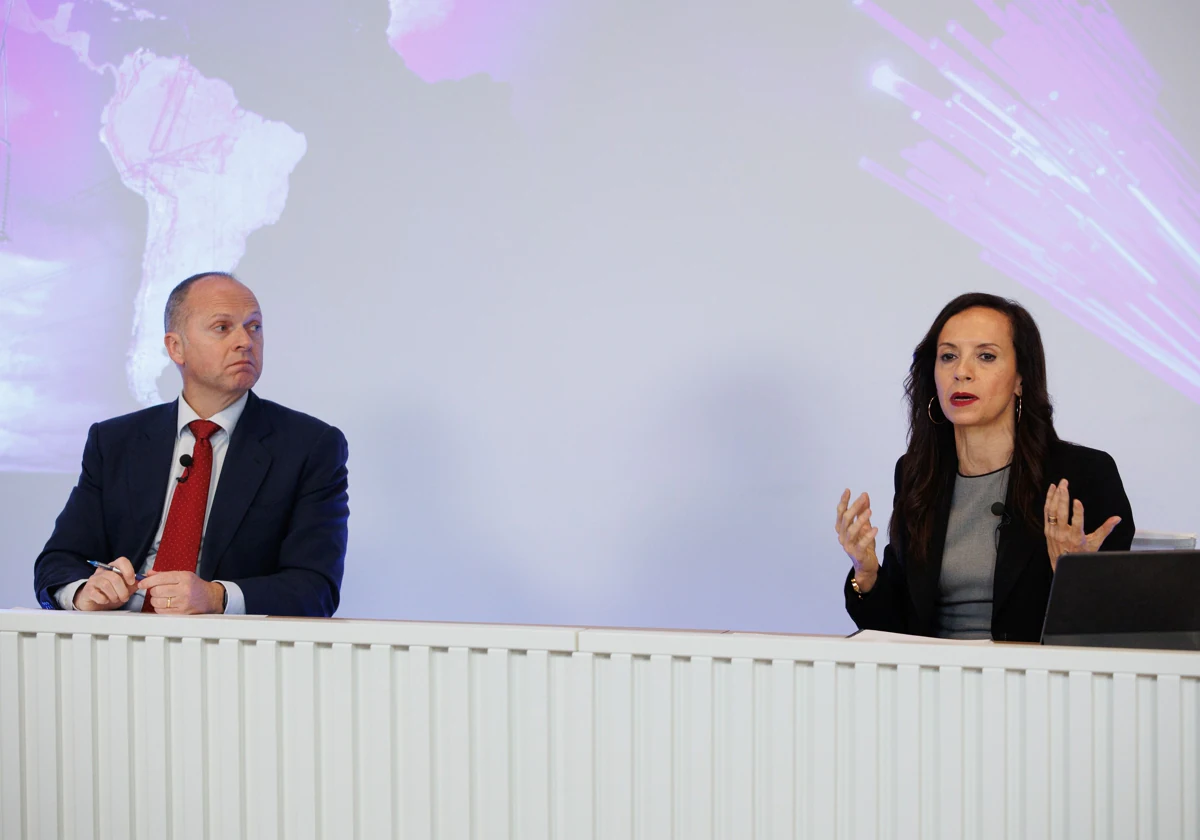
969	559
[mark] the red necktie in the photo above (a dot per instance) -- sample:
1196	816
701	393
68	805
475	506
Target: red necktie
179	548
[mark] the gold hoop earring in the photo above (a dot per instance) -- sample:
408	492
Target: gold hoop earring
929	411
1018	408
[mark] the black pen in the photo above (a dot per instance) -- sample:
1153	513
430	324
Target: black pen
109	568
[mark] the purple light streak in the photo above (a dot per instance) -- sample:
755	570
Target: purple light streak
1050	152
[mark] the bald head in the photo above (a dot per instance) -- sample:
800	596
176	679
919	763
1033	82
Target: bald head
215	338
176	310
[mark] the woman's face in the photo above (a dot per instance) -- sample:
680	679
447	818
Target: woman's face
976	369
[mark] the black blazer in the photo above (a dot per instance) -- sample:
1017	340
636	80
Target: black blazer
278	524
904	599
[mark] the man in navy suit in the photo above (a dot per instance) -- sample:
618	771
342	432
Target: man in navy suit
241	503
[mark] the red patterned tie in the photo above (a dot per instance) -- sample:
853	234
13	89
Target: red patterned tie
179	547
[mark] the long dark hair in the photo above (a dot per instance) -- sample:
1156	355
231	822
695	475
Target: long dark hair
928	468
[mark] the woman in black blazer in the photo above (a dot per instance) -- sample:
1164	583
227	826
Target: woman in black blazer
987	496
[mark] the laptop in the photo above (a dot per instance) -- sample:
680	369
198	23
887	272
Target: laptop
1128	599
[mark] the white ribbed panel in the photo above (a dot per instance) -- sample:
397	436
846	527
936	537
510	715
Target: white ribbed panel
335	740
575	767
12	754
821	720
491	774
79	735
992	728
264	731
735	748
299	737
697	739
905	798
530	741
190	782
416	745
781	750
375	768
294	729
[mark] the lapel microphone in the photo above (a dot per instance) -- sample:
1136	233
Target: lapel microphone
185	461
999	510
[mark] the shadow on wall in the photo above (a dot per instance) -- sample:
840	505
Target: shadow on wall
416	552
42	496
742	537
731	528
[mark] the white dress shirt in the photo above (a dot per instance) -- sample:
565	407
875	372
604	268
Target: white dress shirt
185	442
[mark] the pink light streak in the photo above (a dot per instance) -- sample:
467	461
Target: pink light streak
1050	151
442	40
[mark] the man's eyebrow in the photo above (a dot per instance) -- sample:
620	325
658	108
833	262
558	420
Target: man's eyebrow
228	317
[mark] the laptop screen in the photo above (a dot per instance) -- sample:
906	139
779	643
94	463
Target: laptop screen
1125	599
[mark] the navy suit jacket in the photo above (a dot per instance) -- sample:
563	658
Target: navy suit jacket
904	598
278	523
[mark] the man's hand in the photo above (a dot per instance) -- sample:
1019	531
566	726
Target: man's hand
106	590
182	593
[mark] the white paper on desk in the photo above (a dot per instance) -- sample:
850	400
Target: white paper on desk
883	636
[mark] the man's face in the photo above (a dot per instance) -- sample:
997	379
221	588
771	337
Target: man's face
218	345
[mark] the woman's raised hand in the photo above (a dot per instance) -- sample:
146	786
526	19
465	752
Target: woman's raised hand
857	538
1063	522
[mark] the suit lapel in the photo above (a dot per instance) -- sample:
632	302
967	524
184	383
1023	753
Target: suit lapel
245	466
149	460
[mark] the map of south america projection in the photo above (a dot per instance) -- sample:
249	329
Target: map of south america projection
181	142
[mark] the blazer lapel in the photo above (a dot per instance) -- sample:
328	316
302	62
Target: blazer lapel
245	466
924	578
1017	547
149	460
